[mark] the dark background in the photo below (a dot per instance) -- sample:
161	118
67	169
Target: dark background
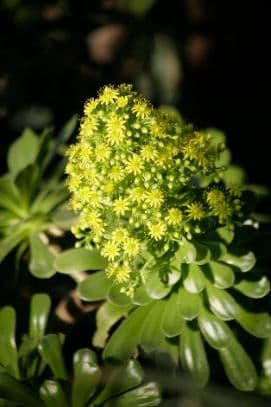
207	58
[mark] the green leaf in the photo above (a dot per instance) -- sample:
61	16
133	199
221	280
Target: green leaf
52	394
107	315
266	357
193	279
116	297
221	303
172	322
216	332
238	366
222	274
254	287
86	377
193	356
23	152
141	296
8	349
244	262
256	323
41	258
203	253
74	260
39	312
51	351
127	336
12	389
151	333
186	253
121	379
10	197
188	304
144	396
94	287
8	243
155	288
27	182
217	249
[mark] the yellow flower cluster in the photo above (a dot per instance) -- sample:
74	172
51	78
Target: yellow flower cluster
130	175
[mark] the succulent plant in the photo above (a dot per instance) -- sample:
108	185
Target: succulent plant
177	263
32	195
26	379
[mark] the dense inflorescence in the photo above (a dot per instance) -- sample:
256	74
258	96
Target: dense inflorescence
132	175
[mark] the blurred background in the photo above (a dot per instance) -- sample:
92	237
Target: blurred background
207	58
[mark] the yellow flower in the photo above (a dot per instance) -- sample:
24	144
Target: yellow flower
102	152
157	231
154	198
195	211
108	187
214	197
120	206
108	95
88	126
122	274
110	251
122	101
137	194
116	174
119	235
235	190
141	109
131	247
223	211
90	105
115	129
134	164
174	217
148	153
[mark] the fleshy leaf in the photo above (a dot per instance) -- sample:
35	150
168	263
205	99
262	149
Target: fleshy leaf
221	303
87	375
8	349
186	253
52	394
256	323
143	396
119	347
107	315
39	311
94	287
42	259
188	304
23	152
193	279
254	287
16	391
172	323
122	379
222	274
74	260
141	296
193	356
238	366
116	297
243	262
151	334
216	332
51	351
155	288
203	253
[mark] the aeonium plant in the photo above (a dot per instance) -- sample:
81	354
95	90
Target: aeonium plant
177	263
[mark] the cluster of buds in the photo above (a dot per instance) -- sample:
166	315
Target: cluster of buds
132	177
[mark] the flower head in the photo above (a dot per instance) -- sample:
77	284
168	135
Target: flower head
131	177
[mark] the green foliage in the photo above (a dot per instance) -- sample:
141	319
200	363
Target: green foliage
24	379
31	199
